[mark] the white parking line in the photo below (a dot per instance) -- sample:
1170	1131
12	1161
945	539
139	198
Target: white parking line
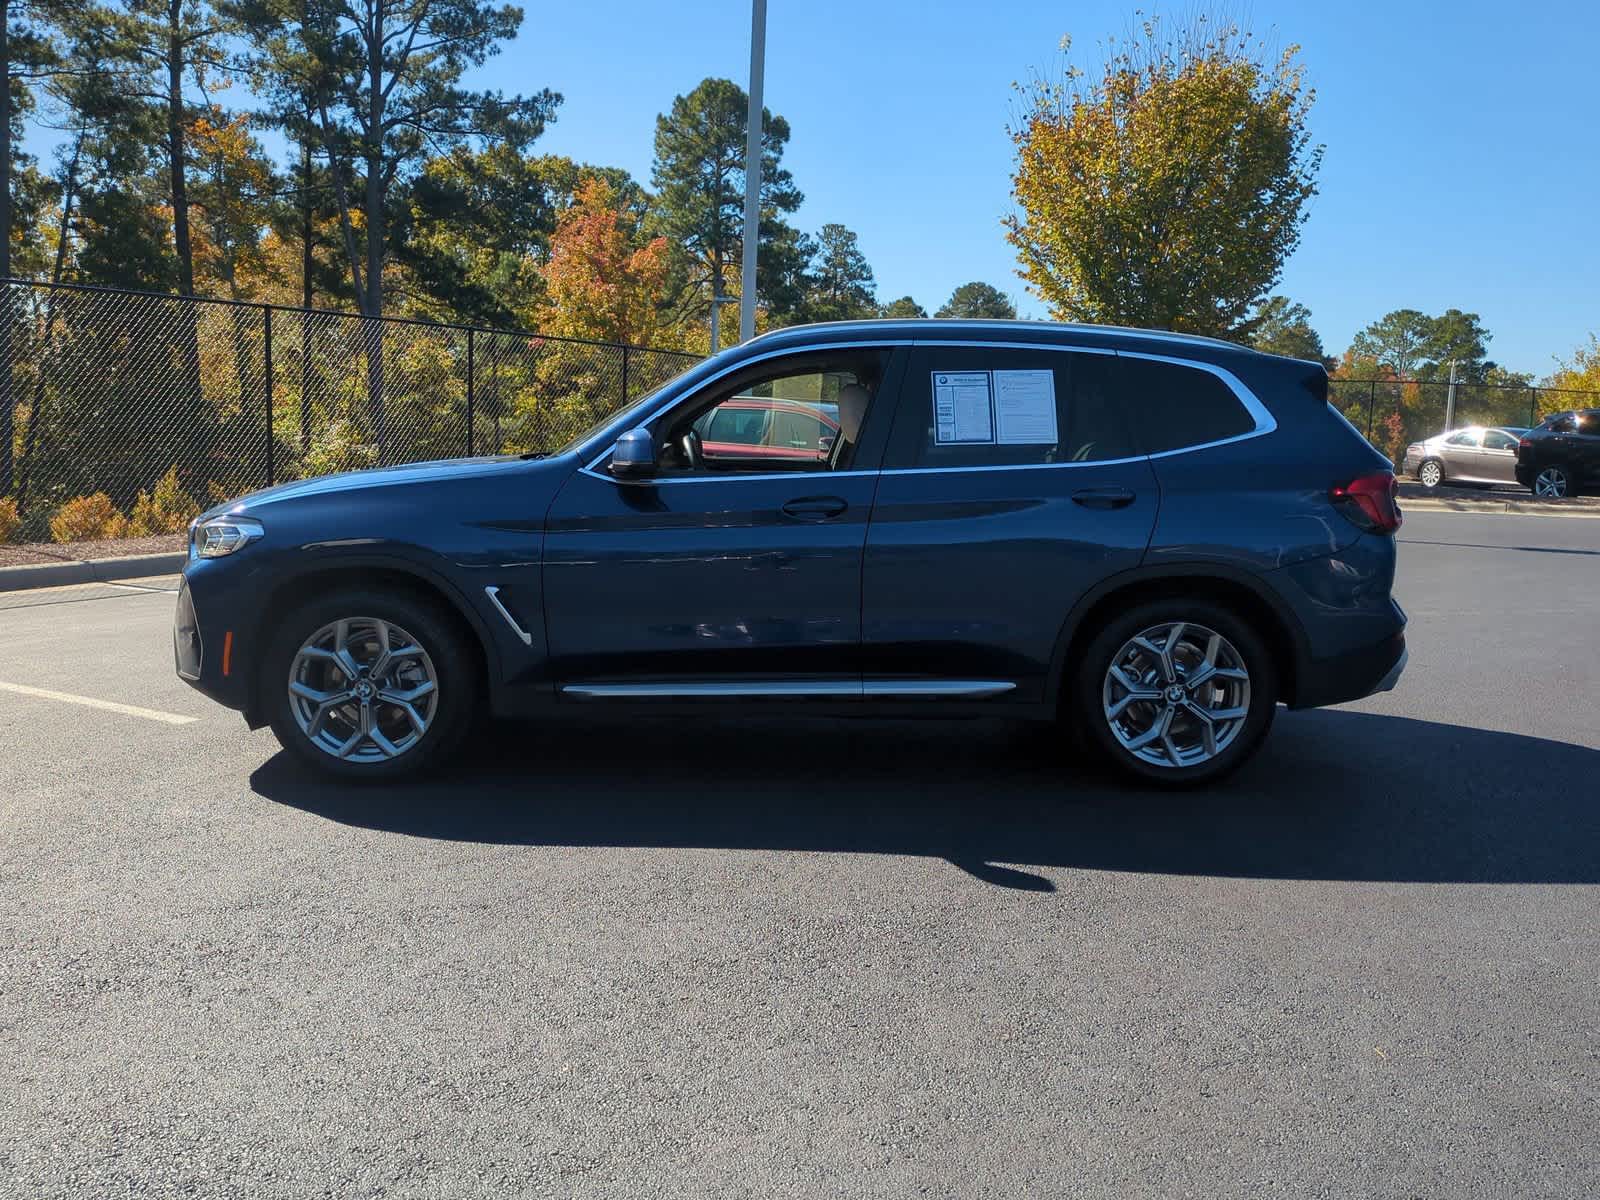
127	710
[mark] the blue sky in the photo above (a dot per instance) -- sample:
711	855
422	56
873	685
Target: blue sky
1463	146
1463	140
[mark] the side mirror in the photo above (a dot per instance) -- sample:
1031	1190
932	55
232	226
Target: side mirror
634	455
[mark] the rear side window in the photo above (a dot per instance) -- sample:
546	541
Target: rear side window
971	406
1565	423
1172	406
1589	424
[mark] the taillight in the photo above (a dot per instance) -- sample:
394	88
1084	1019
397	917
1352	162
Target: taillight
1370	501
1523	444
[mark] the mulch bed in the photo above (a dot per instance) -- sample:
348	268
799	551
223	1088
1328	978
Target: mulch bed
49	552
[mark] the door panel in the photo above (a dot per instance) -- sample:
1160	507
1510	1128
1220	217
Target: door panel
1497	457
978	550
733	570
756	576
1459	452
970	574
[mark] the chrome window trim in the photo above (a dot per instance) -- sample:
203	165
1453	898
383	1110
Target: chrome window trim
1262	417
1094	462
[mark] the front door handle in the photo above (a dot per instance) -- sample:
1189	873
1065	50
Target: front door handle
1106	497
815	508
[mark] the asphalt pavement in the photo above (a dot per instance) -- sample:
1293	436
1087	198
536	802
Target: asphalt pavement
767	959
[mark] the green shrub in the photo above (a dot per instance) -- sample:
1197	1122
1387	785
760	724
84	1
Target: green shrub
10	522
168	509
88	519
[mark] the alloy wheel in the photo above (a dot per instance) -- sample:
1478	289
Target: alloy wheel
362	689
1431	474
1176	695
1550	482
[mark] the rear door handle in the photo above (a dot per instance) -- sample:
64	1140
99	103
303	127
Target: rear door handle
1106	497
816	508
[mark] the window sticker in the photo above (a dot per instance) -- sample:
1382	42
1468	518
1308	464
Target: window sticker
962	407
1025	408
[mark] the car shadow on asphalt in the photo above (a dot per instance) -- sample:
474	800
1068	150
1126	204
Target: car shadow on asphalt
1335	794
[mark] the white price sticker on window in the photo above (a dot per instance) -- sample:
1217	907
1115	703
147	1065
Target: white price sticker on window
962	407
1025	408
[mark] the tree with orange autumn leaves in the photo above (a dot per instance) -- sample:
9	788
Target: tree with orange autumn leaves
603	281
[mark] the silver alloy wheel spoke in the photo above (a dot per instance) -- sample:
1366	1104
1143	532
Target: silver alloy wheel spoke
363	689
1176	694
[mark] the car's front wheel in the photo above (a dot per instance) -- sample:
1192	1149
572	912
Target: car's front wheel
368	686
1552	483
1177	692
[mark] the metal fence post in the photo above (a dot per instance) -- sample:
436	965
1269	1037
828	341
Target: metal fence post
624	374
267	363
1533	407
471	397
1372	405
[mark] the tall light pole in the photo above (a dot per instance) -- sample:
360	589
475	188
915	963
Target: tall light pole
1450	400
752	171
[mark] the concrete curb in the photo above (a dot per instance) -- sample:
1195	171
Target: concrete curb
1496	508
102	570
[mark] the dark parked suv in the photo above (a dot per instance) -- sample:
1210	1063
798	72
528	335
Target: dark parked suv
1562	456
1155	538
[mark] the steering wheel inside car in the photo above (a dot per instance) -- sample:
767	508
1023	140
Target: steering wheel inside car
693	452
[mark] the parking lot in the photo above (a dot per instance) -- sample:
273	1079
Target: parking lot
818	959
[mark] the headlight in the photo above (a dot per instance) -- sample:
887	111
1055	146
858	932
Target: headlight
221	536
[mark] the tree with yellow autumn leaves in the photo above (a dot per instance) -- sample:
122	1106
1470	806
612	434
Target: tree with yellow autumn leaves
1167	188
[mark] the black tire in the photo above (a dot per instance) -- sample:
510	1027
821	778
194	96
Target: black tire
451	657
1087	707
1423	474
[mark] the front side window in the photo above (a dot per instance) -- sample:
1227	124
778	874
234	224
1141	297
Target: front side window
968	406
1589	424
803	414
1498	439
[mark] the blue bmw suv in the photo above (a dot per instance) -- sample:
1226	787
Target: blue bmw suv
1152	538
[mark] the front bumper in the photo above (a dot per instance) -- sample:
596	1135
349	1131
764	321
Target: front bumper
217	610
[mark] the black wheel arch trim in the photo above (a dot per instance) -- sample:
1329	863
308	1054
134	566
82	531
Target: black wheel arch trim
1156	573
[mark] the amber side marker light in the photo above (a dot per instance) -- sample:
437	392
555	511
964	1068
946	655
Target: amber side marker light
227	653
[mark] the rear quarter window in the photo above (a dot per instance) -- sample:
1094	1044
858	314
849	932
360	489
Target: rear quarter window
1172	406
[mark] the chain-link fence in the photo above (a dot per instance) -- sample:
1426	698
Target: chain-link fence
1393	414
163	404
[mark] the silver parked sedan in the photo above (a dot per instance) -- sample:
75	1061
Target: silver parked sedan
1477	454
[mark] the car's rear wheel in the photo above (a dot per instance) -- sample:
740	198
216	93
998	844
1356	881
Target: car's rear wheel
1431	473
1552	483
1177	692
369	686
